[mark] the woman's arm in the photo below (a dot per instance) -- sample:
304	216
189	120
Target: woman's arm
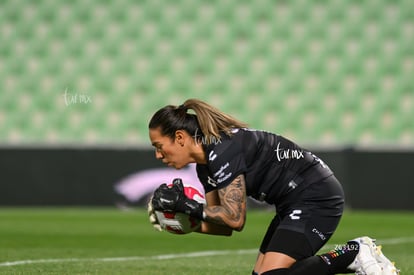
226	209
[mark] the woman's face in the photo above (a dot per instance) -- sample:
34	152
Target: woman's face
172	152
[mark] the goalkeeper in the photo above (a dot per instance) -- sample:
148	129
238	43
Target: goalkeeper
233	162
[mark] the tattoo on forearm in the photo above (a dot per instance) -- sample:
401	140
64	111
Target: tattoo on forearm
233	204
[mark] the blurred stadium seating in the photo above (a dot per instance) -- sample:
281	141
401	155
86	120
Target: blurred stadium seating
320	72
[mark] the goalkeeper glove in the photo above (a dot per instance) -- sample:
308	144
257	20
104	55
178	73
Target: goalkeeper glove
152	217
173	199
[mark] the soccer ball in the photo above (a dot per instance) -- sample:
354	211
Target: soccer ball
180	223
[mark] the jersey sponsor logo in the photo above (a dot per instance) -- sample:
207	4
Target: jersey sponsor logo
212	156
295	214
282	153
221	175
220	172
224	177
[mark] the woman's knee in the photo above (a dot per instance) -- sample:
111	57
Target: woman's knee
275	261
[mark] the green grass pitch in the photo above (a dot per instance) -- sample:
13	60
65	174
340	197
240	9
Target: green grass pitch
111	241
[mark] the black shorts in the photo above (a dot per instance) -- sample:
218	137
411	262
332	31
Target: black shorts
305	221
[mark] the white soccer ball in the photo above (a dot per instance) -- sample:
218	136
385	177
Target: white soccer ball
180	223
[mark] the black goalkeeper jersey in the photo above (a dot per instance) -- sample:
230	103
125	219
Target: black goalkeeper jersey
273	166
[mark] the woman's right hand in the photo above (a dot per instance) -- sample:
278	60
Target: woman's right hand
153	217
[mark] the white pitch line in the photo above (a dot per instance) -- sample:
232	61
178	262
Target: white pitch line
134	258
173	256
396	241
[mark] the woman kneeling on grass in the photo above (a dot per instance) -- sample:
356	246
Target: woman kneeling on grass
233	162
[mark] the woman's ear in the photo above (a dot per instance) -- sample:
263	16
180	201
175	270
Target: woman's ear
180	137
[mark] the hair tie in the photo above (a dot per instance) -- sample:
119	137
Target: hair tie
182	107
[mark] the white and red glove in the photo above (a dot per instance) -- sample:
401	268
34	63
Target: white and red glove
152	217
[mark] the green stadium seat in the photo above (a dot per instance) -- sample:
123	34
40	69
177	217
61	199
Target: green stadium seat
319	72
